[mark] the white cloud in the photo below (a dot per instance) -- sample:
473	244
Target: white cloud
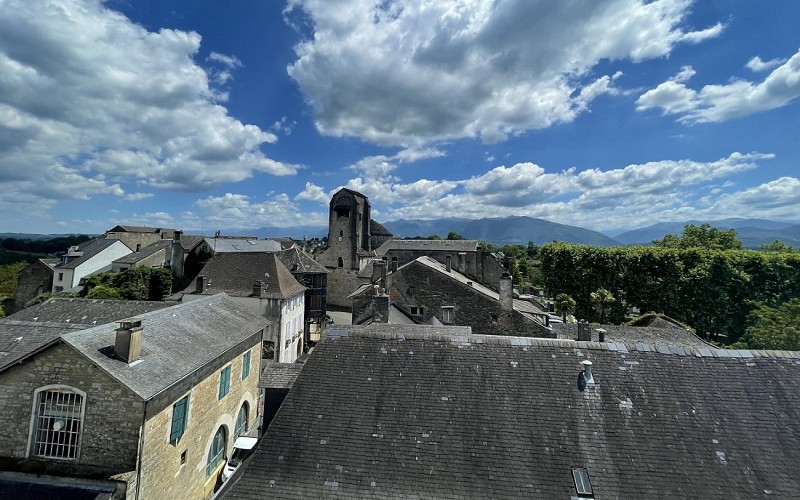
718	103
91	102
410	72
232	211
756	64
312	192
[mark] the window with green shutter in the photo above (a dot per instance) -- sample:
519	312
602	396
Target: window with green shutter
224	381
180	412
246	365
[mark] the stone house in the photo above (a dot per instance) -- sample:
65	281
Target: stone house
314	277
91	257
261	283
446	415
435	293
137	237
153	402
33	280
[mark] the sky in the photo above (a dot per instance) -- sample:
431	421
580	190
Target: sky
212	115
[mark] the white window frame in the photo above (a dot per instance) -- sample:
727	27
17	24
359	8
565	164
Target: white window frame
32	428
448	315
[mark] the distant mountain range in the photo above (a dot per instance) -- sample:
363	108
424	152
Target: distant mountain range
751	232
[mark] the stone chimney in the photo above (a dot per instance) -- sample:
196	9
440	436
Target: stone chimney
176	256
394	264
585	332
506	293
128	342
258	288
379	273
601	335
201	284
461	262
449	263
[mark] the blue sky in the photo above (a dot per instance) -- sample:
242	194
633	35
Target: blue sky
205	114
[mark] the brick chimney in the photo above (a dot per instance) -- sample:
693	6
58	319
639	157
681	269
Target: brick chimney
128	342
201	284
506	293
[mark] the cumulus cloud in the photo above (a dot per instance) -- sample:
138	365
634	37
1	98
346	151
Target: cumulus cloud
91	102
757	65
718	103
407	72
242	211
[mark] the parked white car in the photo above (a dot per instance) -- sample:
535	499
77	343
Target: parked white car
242	448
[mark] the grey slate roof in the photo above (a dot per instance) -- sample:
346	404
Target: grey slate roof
87	311
90	249
232	245
189	241
428	245
234	273
177	341
297	261
635	334
279	375
145	252
414	415
140	229
18	339
378	229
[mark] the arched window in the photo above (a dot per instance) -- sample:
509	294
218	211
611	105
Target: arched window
341	262
241	421
57	422
216	452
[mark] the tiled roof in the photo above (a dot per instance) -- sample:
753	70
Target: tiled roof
18	339
234	273
635	334
297	261
90	249
140	229
177	341
145	252
378	229
87	311
189	241
429	245
233	245
279	375
414	415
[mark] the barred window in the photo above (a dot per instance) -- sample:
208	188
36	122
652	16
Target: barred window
57	423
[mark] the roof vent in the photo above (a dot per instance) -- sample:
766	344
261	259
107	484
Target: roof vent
587	372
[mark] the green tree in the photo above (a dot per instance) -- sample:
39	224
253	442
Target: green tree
703	236
453	235
778	246
434	237
775	327
104	292
8	278
601	299
564	305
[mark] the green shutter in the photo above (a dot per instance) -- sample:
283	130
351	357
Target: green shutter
224	381
246	365
179	411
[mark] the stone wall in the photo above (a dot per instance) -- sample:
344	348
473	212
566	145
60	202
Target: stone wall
163	474
112	418
341	283
32	281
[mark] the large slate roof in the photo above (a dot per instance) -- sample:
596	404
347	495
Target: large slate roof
90	249
87	311
297	261
177	341
19	339
232	245
279	375
234	273
140	229
636	334
415	415
429	246
145	252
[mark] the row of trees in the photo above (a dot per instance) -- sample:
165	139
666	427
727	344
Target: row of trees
712	290
140	283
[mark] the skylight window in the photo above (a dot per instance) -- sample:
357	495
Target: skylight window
582	484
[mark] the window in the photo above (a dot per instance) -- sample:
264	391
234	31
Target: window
183	457
241	421
582	484
180	414
340	262
447	314
416	310
224	381
57	422
60	276
216	452
246	365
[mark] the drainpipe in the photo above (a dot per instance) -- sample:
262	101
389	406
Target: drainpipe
141	451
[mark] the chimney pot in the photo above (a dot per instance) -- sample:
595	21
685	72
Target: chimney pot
601	335
587	371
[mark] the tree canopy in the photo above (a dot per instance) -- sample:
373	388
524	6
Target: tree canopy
703	236
775	327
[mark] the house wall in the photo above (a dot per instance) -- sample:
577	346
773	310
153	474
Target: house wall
341	283
62	279
157	259
112	418
133	239
481	266
32	281
418	285
163	474
292	328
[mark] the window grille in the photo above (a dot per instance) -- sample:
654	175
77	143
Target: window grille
57	424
